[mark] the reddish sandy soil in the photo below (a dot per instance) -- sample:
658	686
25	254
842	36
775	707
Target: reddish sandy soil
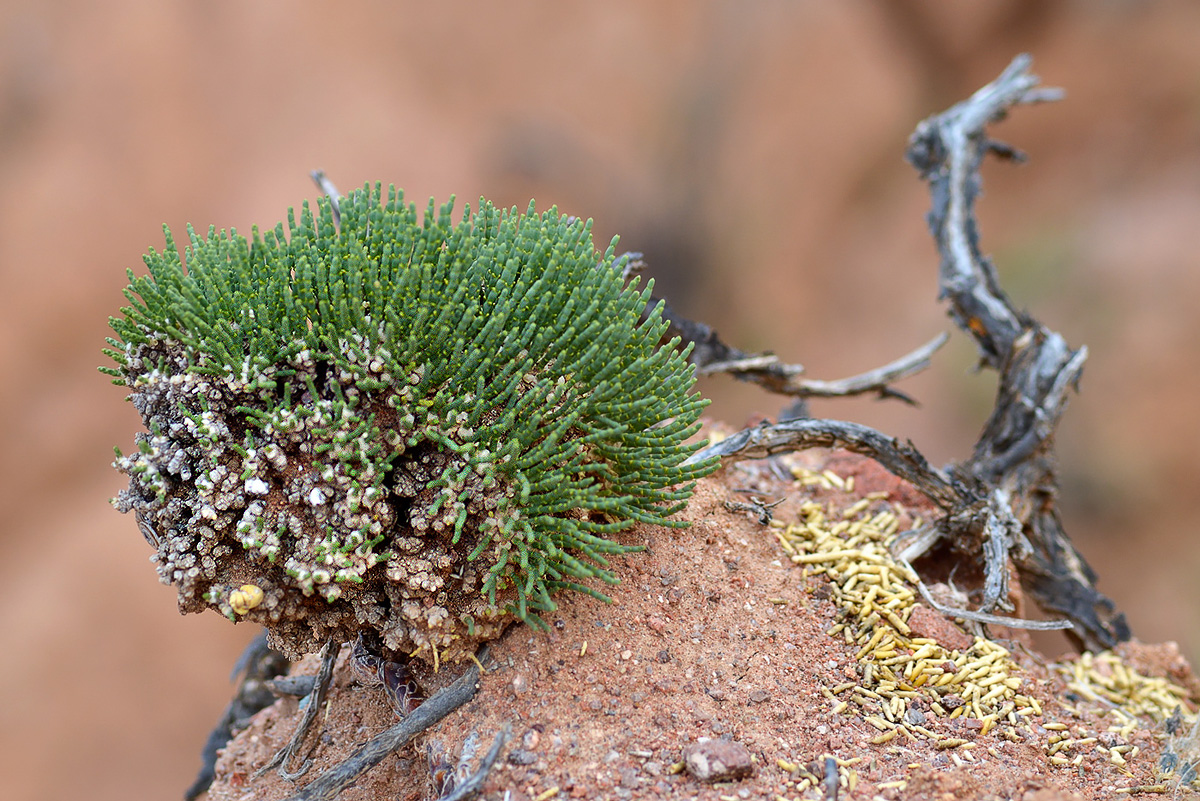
752	150
714	633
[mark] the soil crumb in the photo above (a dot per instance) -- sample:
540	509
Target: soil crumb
749	628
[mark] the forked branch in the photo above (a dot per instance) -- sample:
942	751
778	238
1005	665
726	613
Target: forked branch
1036	365
999	502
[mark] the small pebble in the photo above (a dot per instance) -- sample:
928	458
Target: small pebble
531	739
718	761
521	756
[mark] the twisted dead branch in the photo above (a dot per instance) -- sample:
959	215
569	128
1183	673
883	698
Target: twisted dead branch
1000	502
1015	453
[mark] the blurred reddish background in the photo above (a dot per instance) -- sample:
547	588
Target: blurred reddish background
752	150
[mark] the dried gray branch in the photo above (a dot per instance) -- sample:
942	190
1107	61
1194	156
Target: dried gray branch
473	785
1036	366
711	355
983	617
1001	500
371	753
316	700
878	380
325	185
830	783
294	686
901	459
965	510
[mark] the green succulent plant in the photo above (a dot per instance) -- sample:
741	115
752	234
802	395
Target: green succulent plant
400	425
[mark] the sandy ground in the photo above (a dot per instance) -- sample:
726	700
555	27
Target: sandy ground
715	634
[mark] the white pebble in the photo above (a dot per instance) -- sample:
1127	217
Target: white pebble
256	486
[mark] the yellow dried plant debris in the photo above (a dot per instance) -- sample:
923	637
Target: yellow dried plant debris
876	595
1125	695
1105	677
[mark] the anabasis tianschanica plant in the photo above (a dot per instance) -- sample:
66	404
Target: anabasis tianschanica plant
383	424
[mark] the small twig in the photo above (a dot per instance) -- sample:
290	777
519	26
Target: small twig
294	686
325	185
630	264
830	783
316	701
995	620
371	753
758	507
878	380
474	783
901	550
750	364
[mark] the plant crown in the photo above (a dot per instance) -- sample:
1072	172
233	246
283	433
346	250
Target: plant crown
403	425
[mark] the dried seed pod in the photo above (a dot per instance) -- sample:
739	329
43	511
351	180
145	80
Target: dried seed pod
414	429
